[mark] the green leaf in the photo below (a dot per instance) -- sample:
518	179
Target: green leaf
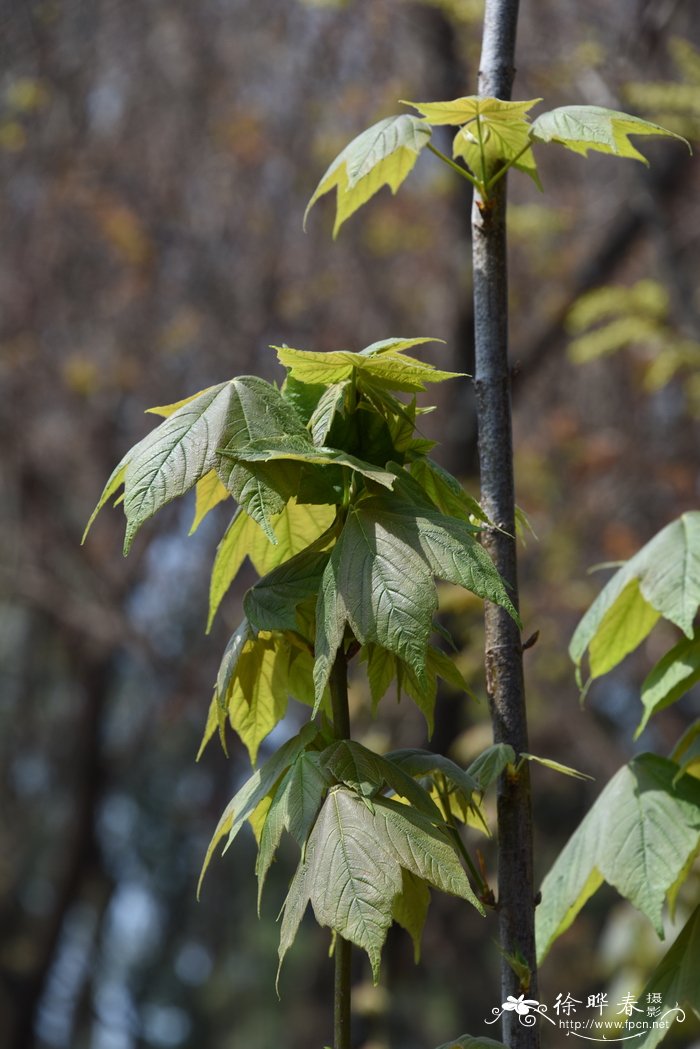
294	808
116	480
297	526
300	449
686	752
368	773
490	764
378	580
256	699
272	603
667	569
670	679
173	457
448	545
580	128
183	449
410	908
555	766
386	366
382	155
494	132
446	491
676	978
381	670
352	873
209	492
416	762
637	837
622	629
329	403
501	117
382	588
257	411
246	800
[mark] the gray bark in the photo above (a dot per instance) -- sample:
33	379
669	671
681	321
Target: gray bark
503	655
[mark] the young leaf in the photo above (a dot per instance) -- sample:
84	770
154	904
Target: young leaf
297	526
410	908
257	696
686	752
209	492
383	155
670	679
383	588
300	449
367	773
490	764
494	132
173	457
383	364
638	837
246	800
580	128
668	573
352	873
499	116
445	491
272	603
329	403
417	762
448	545
555	766
676	979
294	808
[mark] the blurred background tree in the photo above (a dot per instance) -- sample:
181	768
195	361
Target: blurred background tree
155	162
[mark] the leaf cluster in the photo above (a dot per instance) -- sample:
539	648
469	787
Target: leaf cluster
492	136
349	523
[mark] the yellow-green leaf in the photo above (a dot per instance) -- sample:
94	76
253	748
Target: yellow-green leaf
295	528
581	128
383	155
209	492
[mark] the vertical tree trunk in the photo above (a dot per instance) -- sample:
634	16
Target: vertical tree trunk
503	655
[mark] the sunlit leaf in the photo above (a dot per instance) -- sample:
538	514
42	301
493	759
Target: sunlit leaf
297	526
383	155
671	678
294	808
352	872
209	492
246	800
272	603
446	491
581	128
300	449
668	573
637	837
677	979
386	366
493	131
490	764
410	908
555	766
368	773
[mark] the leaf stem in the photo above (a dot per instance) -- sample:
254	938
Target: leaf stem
338	684
456	167
504	170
